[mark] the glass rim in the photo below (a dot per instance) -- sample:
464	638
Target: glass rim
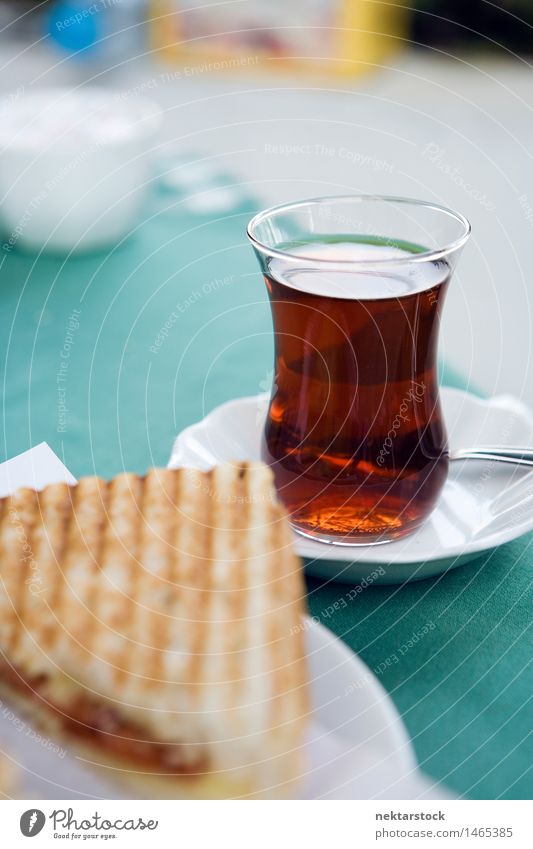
423	256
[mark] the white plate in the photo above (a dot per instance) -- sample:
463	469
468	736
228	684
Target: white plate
357	746
482	505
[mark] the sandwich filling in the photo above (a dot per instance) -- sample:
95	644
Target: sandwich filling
102	725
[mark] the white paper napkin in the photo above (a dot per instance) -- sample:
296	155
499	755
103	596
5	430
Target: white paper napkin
35	468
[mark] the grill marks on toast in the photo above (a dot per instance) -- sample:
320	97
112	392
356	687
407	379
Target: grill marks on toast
21	519
92	530
53	554
196	574
157	553
243	576
171	597
10	580
134	569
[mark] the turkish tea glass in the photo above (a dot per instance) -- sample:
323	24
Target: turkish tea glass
354	431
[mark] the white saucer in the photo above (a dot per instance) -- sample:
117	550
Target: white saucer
483	503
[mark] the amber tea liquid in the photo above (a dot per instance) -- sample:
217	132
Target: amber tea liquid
354	432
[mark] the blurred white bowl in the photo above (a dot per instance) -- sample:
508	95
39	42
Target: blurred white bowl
75	166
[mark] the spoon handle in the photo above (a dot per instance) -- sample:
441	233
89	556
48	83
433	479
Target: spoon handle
501	453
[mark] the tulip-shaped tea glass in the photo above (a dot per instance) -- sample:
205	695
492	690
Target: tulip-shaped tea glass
354	431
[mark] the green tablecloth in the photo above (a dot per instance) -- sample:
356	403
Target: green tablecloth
108	356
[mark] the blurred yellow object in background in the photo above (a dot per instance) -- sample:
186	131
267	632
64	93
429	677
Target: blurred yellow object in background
333	36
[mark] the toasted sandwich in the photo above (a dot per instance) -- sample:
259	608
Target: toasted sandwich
154	623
